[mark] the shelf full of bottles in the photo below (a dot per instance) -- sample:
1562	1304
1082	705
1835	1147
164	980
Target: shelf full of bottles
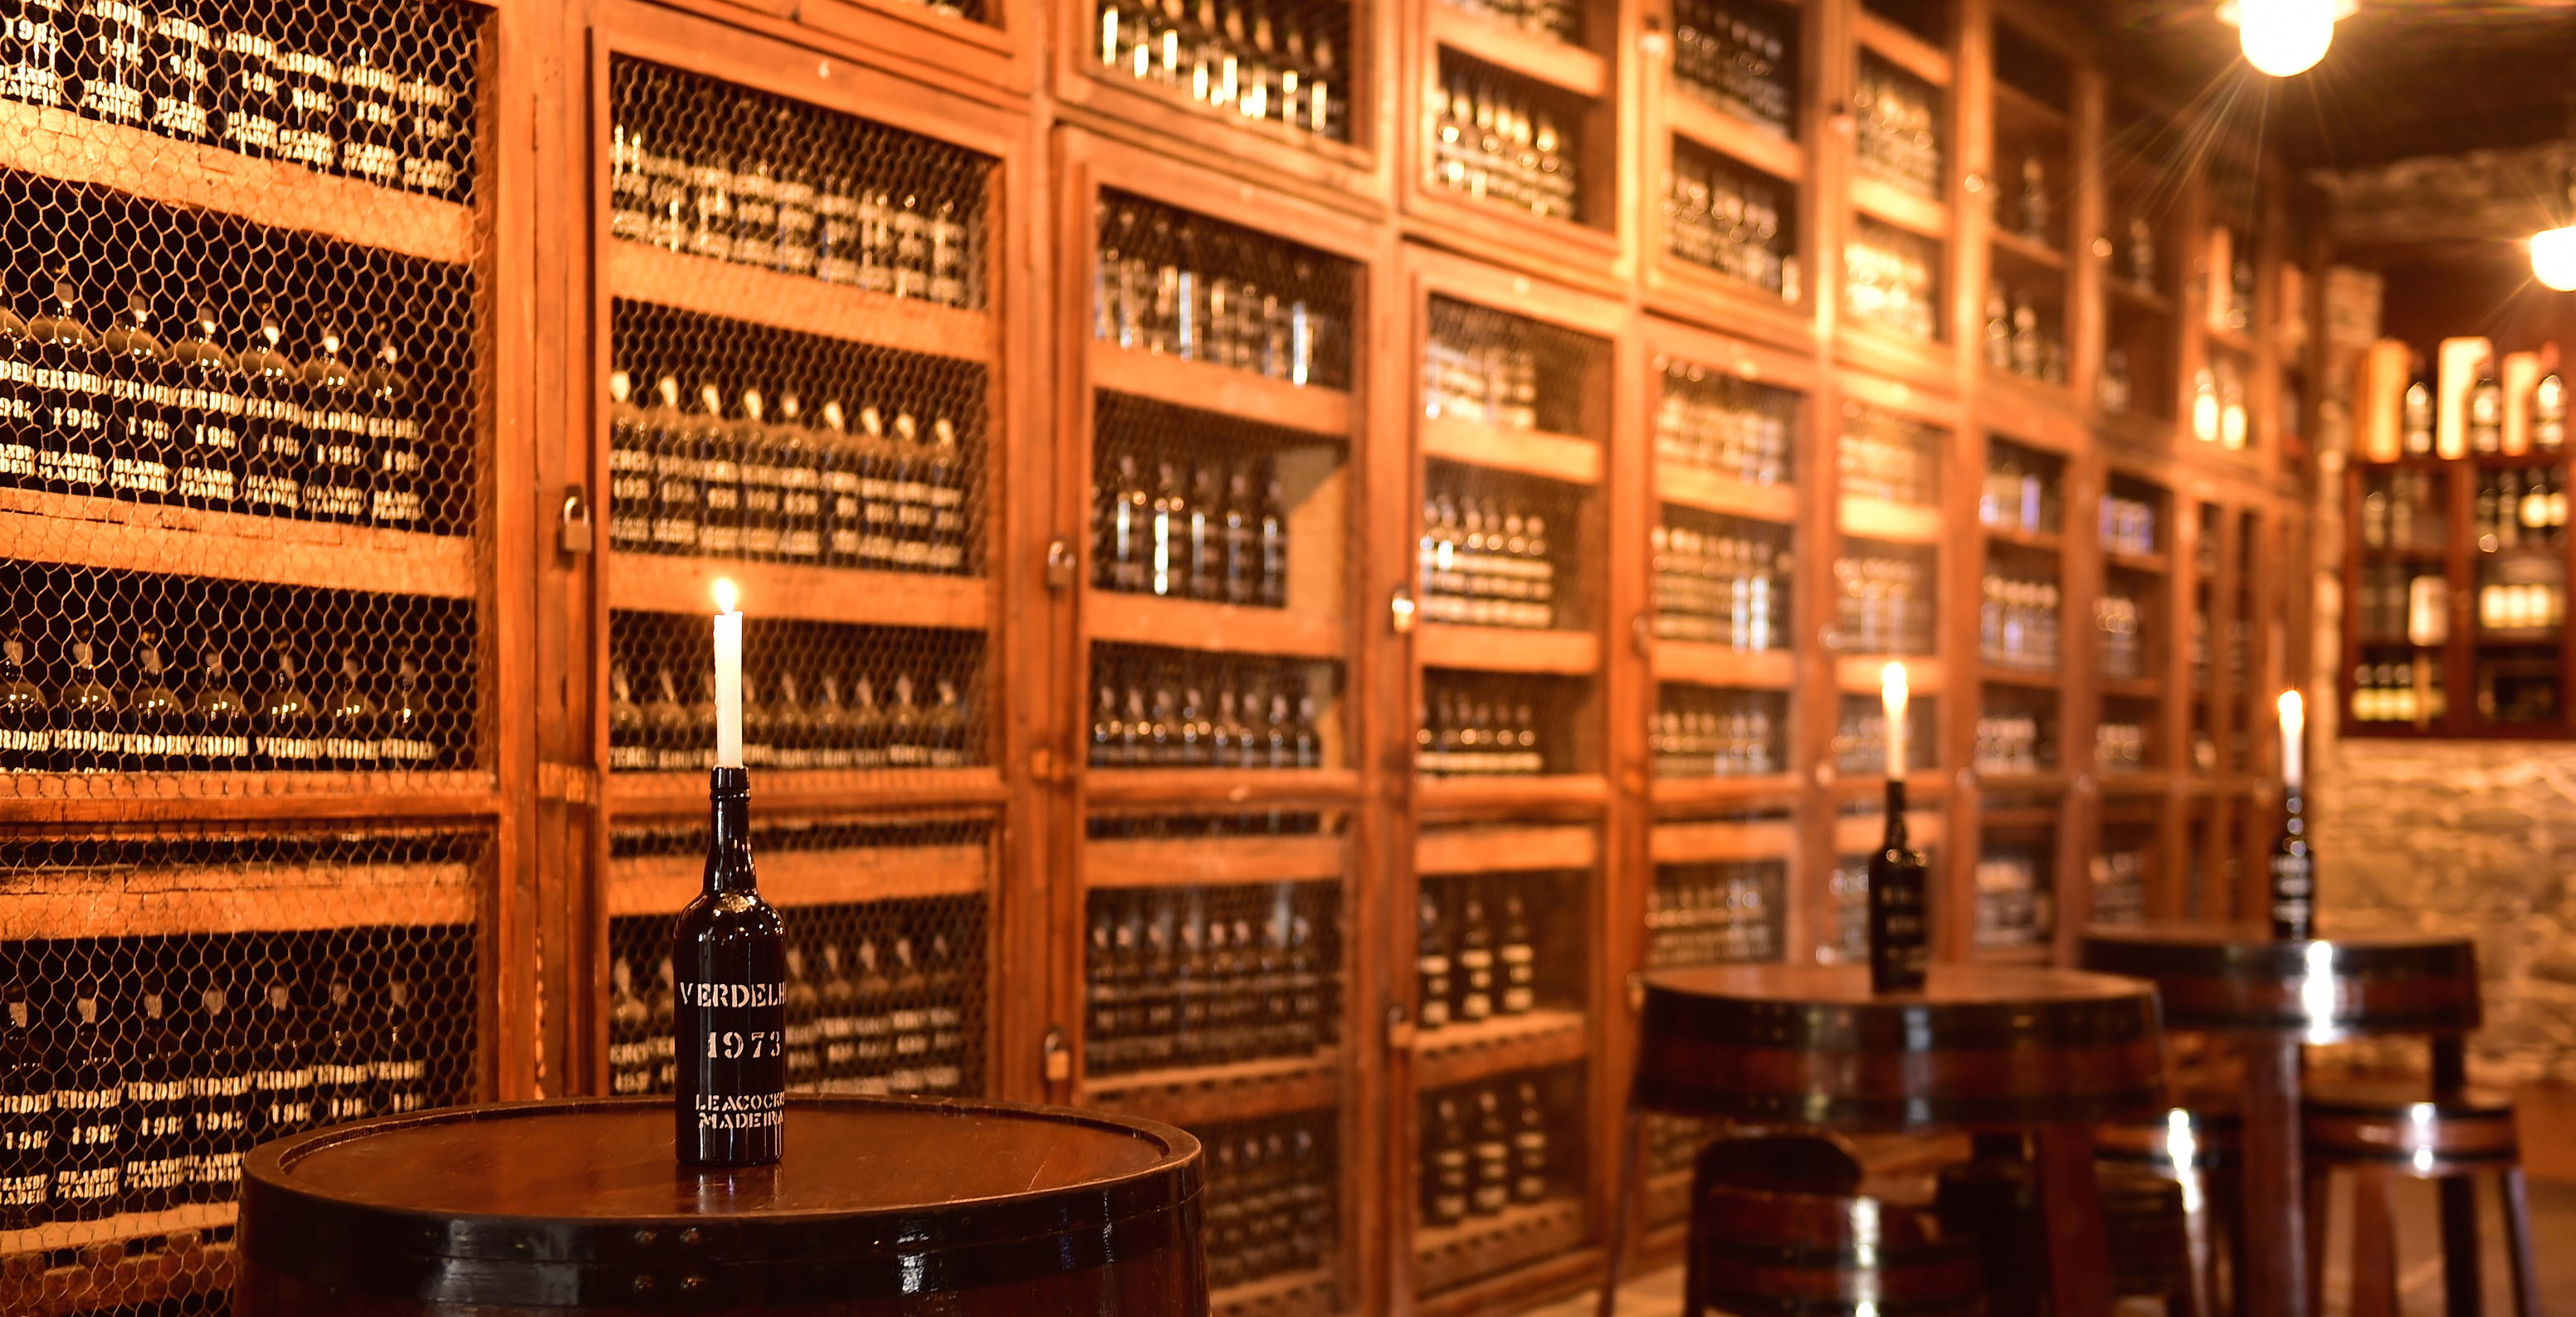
1731	178
1511	129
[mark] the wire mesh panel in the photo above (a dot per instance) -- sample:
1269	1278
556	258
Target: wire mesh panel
1860	735
2120	866
1211	975
1274	1191
1737	221
1488	367
1494	546
1721	580
1504	139
1891	279
1502	1174
1716	913
2017	731
1901	126
1279	67
171	996
730	440
1159	707
1497	945
1703	731
883	995
1885	597
1491	724
1888	456
2015	891
721	171
1721	422
1189	504
1742	57
814	695
1177	283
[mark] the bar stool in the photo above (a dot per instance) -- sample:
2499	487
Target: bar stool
1994	1199
1779	1229
2379	1130
2201	1148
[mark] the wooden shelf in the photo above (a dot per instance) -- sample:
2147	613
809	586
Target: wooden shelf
1863	674
1143	619
1506	649
1529	452
1879	519
67	798
772	790
2529	635
1445	1257
1313	1293
1705	841
1718	792
1464	1053
1716	665
2028	818
2025	110
2132	688
57	1236
1218	786
1506	848
2042	540
73	902
2144	299
2233	340
2021	782
1529	54
1906	210
2021	248
1204	386
2157	564
1715	491
274	193
1856	834
709	287
665	884
1902	48
1730	136
82	531
643	582
1994	674
1538	791
1242	1090
1121	862
2151	782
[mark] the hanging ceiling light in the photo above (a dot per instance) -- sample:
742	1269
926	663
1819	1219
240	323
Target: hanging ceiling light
2285	37
2553	251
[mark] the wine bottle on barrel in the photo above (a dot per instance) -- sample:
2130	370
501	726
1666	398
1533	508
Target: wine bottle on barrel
2294	861
730	950
1898	923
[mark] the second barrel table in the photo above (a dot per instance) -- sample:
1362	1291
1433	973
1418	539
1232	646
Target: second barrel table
1979	1047
881	1207
2276	996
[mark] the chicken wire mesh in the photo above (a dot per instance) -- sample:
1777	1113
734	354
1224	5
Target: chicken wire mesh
1885	597
1739	222
1210	975
1189	504
1888	456
1492	724
184	992
1274	1191
1176	283
1721	580
721	171
1859	746
1505	139
1279	65
1707	731
1488	367
886	995
1493	945
1499	549
1892	279
815	695
733	441
1716	913
1158	707
1719	421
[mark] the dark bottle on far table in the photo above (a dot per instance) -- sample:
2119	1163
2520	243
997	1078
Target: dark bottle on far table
26	1114
219	721
730	1104
2294	867
1899	920
89	1102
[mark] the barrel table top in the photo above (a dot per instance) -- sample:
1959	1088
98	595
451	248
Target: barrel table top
580	1204
1979	1045
2238	977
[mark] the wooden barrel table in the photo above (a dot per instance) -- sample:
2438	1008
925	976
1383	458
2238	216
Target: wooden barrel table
1978	1047
882	1207
2275	996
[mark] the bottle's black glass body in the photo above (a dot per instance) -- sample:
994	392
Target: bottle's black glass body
2294	868
1899	921
730	950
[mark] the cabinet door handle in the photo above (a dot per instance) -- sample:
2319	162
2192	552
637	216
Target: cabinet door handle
1400	610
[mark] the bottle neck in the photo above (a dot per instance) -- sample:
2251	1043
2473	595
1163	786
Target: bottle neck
1895	813
729	831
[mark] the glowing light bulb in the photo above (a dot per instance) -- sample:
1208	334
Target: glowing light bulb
2284	38
2553	258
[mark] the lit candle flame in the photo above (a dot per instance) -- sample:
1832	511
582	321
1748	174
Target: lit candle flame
1892	694
726	595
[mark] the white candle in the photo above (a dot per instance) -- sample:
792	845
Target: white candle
2294	720
1892	694
728	678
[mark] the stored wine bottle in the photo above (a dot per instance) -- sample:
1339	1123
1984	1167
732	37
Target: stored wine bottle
281	1076
1898	917
26	1114
399	487
351	736
26	717
1519	959
155	731
1475	962
72	450
272	481
206	429
342	1074
337	480
2294	905
730	1029
1493	1158
219	1094
219	720
113	45
1431	964
398	1064
86	733
1446	1176
1529	1149
182	73
630	1031
155	1149
89	1101
283	729
141	384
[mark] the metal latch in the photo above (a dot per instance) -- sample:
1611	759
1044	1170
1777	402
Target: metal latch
1399	1030
572	524
1059	1058
1060	566
1400	610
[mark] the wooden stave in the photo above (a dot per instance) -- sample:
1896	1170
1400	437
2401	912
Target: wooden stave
2231	978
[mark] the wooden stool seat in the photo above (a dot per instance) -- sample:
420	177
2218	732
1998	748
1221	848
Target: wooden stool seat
2378	1131
1763	1243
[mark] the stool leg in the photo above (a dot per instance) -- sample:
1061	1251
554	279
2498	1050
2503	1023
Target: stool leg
1631	1133
2079	1256
2195	1224
2320	1182
2374	1245
2517	1242
2460	1287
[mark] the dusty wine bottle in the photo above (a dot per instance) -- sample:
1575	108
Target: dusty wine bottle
1897	923
731	952
2294	890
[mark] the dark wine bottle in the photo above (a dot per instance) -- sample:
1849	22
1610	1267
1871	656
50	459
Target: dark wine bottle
730	1106
2294	867
89	1101
155	1070
1898	916
26	1114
